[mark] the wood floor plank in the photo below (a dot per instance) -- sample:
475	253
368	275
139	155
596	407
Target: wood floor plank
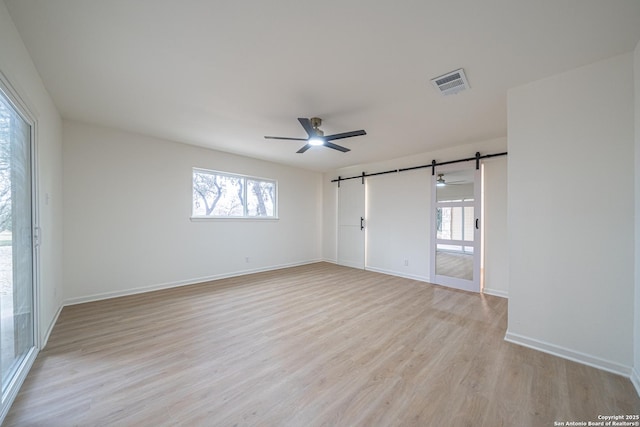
317	345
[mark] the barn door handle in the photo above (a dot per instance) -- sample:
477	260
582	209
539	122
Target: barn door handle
477	228
361	223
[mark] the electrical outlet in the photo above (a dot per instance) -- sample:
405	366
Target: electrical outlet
246	259
406	263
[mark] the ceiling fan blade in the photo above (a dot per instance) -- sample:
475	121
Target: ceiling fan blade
345	135
284	137
303	149
336	147
306	124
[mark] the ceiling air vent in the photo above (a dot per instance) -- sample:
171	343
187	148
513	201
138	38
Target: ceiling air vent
451	83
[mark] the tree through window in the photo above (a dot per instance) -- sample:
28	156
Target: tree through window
223	195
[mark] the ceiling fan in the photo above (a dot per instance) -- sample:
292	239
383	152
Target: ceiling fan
316	136
440	182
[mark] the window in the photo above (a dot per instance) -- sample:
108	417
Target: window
225	195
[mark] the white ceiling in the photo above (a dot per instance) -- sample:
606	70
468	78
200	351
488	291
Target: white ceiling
222	74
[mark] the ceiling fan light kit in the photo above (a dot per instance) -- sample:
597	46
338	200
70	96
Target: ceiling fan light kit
316	135
316	141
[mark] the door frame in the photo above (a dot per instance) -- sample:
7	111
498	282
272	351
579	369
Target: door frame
473	285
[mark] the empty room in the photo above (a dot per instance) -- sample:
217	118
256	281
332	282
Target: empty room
278	213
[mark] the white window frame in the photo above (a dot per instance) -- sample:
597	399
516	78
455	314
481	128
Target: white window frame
25	110
245	215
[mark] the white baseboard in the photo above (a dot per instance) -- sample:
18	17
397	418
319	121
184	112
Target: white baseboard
496	293
565	353
397	273
192	281
635	379
45	338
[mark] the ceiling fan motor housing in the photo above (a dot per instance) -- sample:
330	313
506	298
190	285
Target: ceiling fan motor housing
315	122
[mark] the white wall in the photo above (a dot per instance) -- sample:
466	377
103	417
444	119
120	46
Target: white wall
636	331
570	212
398	214
17	66
127	216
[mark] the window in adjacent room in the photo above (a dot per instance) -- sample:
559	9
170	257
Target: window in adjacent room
224	195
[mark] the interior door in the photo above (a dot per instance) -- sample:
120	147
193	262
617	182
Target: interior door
351	223
456	227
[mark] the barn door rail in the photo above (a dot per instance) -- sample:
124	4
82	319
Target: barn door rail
431	165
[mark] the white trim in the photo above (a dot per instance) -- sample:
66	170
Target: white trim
20	103
352	265
24	109
398	274
36	234
187	282
45	339
635	380
232	174
205	218
496	293
565	353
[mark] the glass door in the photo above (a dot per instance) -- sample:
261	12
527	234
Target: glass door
456	227
17	315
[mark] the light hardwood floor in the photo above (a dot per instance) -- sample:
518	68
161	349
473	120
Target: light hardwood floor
454	265
317	345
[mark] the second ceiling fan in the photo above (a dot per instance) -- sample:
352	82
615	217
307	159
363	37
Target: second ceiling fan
316	135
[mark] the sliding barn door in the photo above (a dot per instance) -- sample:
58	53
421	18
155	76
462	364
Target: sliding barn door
351	233
455	242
